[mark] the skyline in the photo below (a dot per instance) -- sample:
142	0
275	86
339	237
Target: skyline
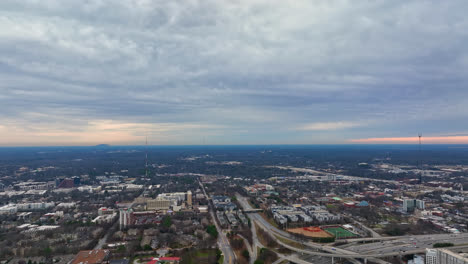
232	73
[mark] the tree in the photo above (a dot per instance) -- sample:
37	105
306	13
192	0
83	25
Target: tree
167	221
245	254
47	252
439	245
121	249
211	229
147	247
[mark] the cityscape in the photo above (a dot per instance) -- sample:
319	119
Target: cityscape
233	132
233	204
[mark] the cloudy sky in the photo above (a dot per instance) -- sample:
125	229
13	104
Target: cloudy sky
81	72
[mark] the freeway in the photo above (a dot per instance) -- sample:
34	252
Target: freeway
407	243
223	242
267	226
437	237
402	246
356	178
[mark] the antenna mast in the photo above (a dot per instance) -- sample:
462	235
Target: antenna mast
146	157
420	161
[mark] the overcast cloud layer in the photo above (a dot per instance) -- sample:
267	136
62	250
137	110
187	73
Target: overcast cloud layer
231	72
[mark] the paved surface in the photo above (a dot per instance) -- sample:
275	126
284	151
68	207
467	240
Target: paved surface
407	243
103	240
372	251
223	242
370	230
252	251
333	252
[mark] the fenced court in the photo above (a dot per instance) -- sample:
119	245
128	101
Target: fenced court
339	232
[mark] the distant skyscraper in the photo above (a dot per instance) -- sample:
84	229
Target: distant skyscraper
409	205
125	218
189	198
76	180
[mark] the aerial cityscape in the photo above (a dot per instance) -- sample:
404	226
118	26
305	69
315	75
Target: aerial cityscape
234	204
233	132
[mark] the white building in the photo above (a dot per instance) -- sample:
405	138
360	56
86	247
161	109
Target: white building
125	218
8	209
431	256
34	206
445	256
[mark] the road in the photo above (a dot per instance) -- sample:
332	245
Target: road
103	240
252	250
407	243
223	242
370	230
385	249
333	252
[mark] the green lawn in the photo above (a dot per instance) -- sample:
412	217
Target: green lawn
339	232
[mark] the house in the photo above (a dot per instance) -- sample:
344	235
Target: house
91	256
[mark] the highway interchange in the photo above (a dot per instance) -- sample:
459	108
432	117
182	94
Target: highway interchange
395	246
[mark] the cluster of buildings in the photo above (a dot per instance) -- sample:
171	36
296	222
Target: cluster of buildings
223	203
300	213
154	209
283	214
167	202
320	213
230	218
259	188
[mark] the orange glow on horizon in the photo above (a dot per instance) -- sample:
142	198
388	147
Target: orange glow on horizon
415	140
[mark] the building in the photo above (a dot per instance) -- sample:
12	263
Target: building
158	204
431	256
8	209
409	205
34	206
105	211
26	186
417	259
76	180
91	257
66	183
189	198
125	218
223	203
445	256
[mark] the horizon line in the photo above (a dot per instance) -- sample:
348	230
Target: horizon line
354	143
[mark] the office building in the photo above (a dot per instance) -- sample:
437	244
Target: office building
189	198
409	205
445	256
431	256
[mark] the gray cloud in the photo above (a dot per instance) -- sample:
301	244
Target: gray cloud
245	67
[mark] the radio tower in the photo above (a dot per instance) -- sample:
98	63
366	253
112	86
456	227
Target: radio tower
146	157
420	161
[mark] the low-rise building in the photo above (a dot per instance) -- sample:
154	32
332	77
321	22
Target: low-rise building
97	256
